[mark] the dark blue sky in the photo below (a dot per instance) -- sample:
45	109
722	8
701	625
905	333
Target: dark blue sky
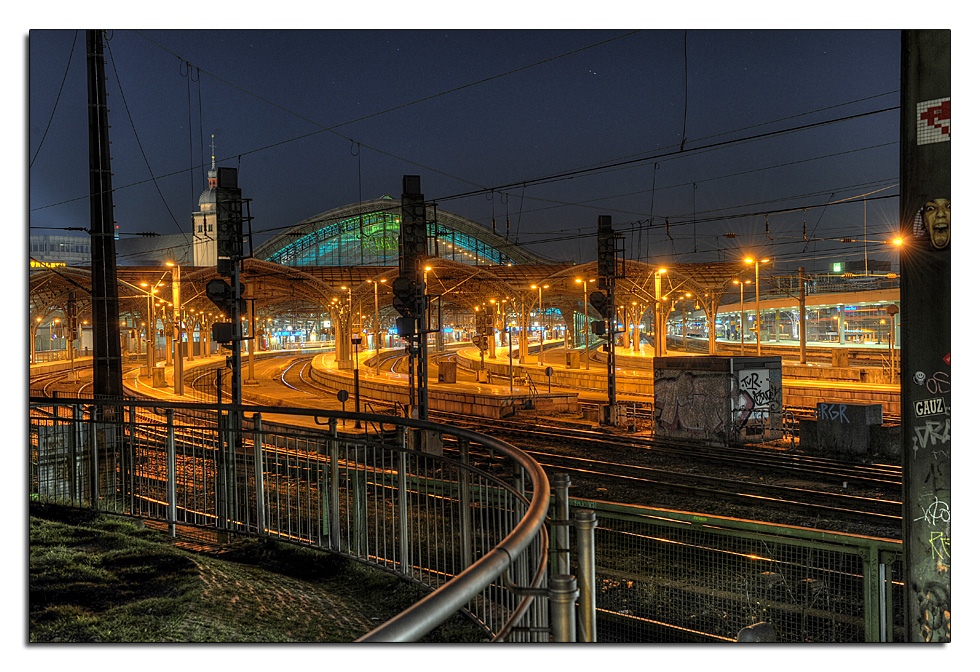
500	124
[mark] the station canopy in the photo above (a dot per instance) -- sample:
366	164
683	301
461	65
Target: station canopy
351	253
366	234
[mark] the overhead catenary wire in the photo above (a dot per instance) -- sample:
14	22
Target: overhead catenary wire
603	167
57	100
122	95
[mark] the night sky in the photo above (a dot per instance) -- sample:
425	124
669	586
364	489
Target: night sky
702	145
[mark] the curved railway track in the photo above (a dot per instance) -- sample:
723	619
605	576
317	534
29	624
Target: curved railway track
762	483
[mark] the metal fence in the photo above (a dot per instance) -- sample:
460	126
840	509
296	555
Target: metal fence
388	493
666	576
376	488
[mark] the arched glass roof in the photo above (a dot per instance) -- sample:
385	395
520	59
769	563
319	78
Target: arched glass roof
366	234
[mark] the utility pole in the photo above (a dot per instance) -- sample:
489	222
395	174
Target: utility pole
106	359
926	305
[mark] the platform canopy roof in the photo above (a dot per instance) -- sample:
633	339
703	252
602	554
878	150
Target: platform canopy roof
366	234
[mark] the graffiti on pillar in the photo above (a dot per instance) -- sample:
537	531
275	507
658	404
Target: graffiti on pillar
930	432
932	596
931	429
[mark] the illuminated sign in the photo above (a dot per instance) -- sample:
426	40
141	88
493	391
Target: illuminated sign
47	264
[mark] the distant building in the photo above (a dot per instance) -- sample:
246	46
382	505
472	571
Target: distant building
857	267
70	250
76	250
199	248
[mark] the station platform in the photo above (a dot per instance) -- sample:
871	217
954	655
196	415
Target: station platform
533	391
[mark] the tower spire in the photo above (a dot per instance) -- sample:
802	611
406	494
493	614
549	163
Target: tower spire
213	173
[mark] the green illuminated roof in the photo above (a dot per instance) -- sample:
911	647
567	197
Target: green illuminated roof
366	234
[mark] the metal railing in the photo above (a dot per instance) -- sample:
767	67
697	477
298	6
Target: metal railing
671	576
384	494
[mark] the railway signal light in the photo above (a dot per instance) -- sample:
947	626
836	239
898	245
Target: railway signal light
226	332
228	210
601	303
412	240
221	295
71	312
606	248
405	297
405	326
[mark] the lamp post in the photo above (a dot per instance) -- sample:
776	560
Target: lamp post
585	314
892	310
660	338
377	327
350	317
151	326
540	312
741	311
356	341
492	328
510	356
425	299
178	329
758	312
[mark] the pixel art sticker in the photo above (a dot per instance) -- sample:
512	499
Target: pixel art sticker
932	121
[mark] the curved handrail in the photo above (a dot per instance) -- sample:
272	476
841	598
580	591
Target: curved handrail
415	622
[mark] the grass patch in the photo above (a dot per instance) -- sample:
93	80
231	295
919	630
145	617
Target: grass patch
103	578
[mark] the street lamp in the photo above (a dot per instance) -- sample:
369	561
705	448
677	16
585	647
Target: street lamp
492	326
660	339
585	314
151	325
178	329
510	355
356	341
540	312
741	311
350	315
425	295
377	327
758	312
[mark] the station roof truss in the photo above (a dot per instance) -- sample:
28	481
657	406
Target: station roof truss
312	292
366	234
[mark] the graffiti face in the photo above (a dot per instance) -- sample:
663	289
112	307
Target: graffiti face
936	215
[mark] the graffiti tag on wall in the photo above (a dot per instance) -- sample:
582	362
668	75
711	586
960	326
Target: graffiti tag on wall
757	396
693	403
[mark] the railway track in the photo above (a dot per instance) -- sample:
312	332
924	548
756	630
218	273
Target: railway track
763	483
758	482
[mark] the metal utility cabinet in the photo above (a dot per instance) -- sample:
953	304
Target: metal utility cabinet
720	400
